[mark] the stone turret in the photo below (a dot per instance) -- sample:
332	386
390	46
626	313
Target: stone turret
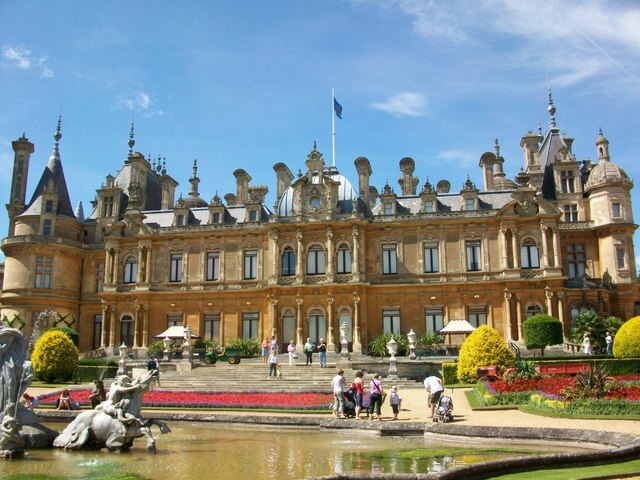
23	149
283	179
363	167
408	183
242	186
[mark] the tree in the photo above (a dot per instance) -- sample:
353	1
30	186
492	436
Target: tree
54	357
541	331
596	327
482	347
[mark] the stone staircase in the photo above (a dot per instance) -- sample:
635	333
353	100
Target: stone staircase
252	375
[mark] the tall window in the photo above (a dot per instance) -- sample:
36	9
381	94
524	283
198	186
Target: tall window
317	326
620	257
566	182
288	262
180	220
250	325
213	266
212	326
174	320
477	315
577	261
97	331
570	213
44	267
391	321
216	218
389	259
126	330
616	211
130	269
434	320
253	216
316	261
46	227
175	273
48	206
428	207
344	259
250	264
473	256
529	257
431	257
469	205
388	209
107	206
99	276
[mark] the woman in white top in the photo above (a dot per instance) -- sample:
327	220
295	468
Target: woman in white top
292	353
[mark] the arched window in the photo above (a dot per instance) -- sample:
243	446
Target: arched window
288	262
316	261
533	309
344	259
130	269
529	257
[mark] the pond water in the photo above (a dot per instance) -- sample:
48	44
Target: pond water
203	451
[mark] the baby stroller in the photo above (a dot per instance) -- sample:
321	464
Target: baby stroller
443	410
349	404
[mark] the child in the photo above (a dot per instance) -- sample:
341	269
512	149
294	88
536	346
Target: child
396	401
30	401
279	368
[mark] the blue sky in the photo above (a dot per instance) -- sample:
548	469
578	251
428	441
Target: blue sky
247	84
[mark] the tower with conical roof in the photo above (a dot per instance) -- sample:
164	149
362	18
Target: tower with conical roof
23	149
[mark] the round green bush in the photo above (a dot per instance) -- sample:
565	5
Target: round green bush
69	332
484	347
626	343
54	357
540	331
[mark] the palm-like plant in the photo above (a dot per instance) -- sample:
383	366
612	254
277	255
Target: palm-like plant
596	327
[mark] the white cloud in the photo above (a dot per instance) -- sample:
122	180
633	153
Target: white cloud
403	104
24	59
140	102
459	158
6	162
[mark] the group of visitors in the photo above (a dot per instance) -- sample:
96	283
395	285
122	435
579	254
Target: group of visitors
270	354
376	396
587	347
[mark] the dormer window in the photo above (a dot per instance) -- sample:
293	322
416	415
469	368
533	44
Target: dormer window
216	218
253	216
428	207
315	202
180	220
46	228
48	206
616	210
388	209
470	205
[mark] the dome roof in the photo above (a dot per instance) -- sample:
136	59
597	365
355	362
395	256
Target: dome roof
606	172
503	183
346	194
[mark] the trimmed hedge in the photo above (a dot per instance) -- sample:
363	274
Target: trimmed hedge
449	373
615	366
89	373
626	343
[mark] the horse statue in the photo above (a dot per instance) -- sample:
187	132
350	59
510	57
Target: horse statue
116	422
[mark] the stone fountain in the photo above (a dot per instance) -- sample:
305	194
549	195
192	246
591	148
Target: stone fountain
19	427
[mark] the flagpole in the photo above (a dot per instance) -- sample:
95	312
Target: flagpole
333	129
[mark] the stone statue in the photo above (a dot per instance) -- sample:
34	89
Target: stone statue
19	427
116	422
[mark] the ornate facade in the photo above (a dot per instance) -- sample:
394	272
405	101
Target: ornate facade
557	239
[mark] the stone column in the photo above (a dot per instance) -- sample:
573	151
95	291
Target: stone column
145	327
330	342
116	265
299	341
139	271
503	248
548	294
273	313
112	329
108	266
103	327
357	345
545	247
299	256
556	247
514	246
330	253
519	315
147	273
274	256
355	235
507	301
136	323
185	266
560	296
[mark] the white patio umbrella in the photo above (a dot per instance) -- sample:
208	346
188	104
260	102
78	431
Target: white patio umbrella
175	331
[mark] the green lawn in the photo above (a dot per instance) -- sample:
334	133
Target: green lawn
612	470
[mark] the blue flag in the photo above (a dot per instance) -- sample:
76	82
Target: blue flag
338	108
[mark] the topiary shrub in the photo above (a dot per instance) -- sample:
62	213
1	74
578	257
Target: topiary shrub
449	373
54	357
541	331
483	347
69	332
626	343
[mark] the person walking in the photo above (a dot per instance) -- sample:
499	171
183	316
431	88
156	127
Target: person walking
358	392
322	353
395	400
609	342
291	350
375	395
274	344
154	366
308	351
434	388
273	364
586	344
265	351
338	394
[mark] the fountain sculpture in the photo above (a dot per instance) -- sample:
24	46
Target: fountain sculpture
19	427
114	423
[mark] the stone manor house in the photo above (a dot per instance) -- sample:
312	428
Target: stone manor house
557	239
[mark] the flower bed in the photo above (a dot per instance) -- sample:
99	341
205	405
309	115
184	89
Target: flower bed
309	400
622	397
